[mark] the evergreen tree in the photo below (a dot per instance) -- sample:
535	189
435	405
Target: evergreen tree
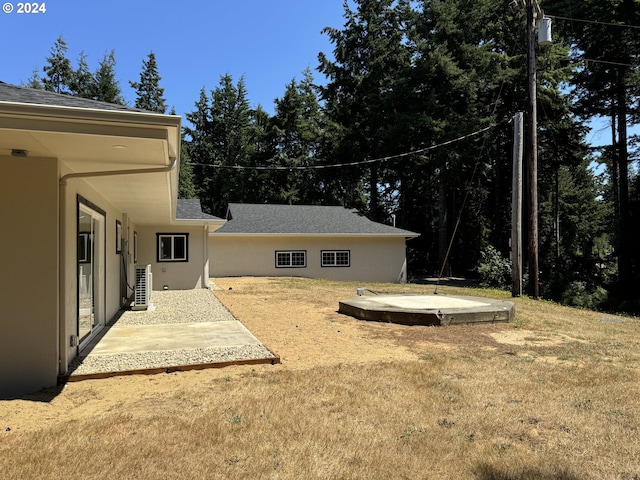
149	94
607	85
82	83
261	185
107	88
220	141
365	89
58	71
186	187
199	148
297	134
34	81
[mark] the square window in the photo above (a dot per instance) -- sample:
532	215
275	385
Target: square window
173	247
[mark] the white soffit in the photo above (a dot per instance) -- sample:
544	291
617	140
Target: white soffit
89	145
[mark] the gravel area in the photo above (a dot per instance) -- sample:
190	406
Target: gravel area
166	358
170	307
177	306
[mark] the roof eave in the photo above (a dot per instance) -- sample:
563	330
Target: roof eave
362	235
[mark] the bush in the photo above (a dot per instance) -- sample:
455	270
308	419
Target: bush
493	269
577	294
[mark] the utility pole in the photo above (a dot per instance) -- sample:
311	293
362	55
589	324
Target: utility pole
516	207
532	9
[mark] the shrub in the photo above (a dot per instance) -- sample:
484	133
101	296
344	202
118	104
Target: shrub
493	269
577	294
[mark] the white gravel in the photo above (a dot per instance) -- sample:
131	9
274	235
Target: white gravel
178	306
185	306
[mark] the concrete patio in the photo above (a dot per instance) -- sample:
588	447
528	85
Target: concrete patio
183	330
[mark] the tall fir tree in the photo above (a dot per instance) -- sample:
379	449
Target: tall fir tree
58	71
34	81
608	86
107	88
297	135
365	84
218	142
149	94
83	84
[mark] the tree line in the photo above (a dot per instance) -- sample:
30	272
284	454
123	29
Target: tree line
393	130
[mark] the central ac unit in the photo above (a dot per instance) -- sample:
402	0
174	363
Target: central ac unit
143	287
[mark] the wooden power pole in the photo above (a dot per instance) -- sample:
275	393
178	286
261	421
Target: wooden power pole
532	9
516	207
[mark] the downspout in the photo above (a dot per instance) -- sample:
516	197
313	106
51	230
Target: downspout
205	257
62	331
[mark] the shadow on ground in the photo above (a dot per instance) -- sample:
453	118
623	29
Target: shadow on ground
444	281
489	472
46	395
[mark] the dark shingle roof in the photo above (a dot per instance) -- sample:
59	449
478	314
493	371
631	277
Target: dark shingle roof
15	94
303	219
192	210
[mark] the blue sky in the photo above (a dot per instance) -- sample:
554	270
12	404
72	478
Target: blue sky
268	41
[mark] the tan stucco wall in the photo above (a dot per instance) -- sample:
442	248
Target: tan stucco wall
175	275
29	274
373	259
112	261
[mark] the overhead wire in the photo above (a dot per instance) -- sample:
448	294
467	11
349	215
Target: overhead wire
597	22
352	164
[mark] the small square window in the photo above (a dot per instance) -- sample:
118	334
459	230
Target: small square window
336	258
293	259
173	247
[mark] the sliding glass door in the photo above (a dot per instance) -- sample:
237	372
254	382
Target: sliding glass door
91	246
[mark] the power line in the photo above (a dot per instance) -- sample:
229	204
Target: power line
350	164
587	60
597	22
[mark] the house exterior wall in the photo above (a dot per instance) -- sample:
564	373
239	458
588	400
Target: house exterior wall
111	290
373	259
29	279
175	275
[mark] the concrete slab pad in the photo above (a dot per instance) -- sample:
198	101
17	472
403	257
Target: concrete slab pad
147	338
426	302
428	309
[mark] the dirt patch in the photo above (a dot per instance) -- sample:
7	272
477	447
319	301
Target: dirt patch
527	338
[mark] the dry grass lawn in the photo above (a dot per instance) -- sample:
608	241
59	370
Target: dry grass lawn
553	395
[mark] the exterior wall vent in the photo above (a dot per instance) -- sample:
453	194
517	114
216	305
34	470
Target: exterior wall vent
143	287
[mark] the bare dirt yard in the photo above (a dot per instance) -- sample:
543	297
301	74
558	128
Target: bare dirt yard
554	394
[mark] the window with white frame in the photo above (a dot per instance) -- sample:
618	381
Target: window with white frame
173	247
336	258
291	258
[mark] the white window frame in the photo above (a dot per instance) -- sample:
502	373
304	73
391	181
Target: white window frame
173	237
290	255
333	261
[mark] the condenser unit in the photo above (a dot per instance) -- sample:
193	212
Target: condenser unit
143	287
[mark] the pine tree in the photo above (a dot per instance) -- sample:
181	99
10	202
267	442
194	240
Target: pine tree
186	187
608	86
365	90
297	134
107	88
199	148
149	94
83	83
219	140
34	81
58	71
